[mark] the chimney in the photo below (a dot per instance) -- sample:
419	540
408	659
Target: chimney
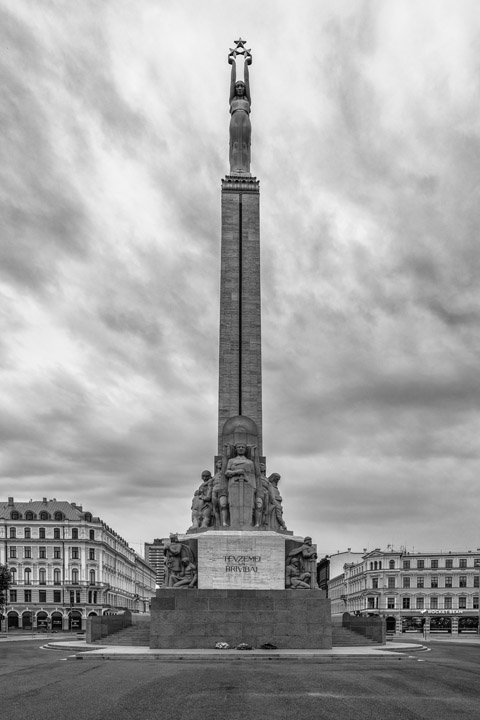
10	500
44	501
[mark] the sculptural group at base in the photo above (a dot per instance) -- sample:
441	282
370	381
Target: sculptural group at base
239	495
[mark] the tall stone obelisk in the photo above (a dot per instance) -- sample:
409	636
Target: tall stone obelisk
240	357
238	575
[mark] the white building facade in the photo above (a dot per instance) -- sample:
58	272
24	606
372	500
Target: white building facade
436	592
67	565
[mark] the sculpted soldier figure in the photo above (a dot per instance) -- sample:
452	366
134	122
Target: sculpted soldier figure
175	555
205	498
294	578
220	496
187	577
240	128
275	519
306	557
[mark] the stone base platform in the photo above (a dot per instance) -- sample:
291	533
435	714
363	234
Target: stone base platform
197	619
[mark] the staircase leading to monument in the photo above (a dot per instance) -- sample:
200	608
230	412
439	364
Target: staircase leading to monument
138	634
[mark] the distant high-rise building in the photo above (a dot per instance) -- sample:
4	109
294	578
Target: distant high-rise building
154	555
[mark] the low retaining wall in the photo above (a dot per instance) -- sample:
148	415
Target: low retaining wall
182	618
99	627
370	627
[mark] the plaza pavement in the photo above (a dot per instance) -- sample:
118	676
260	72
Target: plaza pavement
81	650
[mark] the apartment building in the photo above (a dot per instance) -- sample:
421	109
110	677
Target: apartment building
435	592
67	565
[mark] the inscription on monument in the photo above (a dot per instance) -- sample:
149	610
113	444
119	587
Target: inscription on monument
232	559
242	563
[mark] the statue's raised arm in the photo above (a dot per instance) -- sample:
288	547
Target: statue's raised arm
240	101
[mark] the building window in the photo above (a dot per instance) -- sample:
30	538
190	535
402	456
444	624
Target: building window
42	596
476	579
463	563
420	582
447	603
434	581
475	602
13	532
406	603
14	575
462	581
58	516
27	552
42	552
13	596
28	576
391	564
92	580
91	556
56	553
391	582
44	515
56	533
57	596
406	564
42	576
462	602
41	533
15	515
74	533
420	564
77	596
434	603
27	596
75	553
391	603
75	577
72	597
420	603
27	533
13	551
406	582
434	564
29	515
449	563
56	577
374	580
448	581
92	534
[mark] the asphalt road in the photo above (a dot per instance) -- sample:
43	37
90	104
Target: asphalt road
37	684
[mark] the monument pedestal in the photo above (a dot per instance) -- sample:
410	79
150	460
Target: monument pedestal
291	619
241	598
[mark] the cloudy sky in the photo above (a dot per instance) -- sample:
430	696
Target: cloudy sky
366	141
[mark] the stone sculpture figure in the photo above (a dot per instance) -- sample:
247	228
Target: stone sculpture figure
176	553
240	102
242	473
220	495
294	578
197	504
275	509
205	497
187	577
306	556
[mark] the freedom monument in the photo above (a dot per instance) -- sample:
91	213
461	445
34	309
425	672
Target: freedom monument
238	575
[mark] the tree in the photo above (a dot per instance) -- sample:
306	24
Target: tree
5	582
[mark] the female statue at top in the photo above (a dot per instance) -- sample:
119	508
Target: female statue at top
240	128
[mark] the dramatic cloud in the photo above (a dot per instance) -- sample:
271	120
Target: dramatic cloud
366	140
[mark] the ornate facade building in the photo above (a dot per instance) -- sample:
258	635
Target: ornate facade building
67	565
436	592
